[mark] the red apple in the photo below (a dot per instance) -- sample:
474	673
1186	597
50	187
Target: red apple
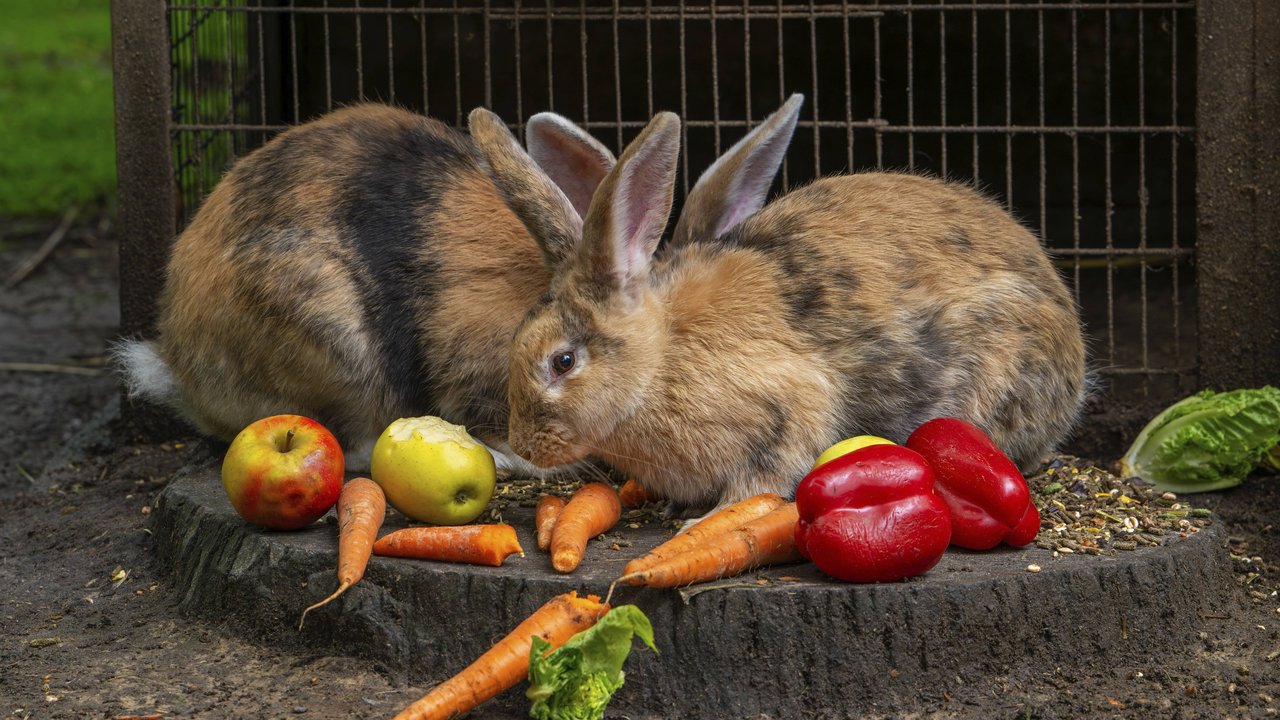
283	472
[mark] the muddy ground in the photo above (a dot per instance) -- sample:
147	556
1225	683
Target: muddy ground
89	628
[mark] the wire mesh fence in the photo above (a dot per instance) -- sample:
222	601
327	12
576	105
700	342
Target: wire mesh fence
1079	116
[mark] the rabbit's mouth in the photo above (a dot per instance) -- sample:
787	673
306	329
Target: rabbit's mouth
546	446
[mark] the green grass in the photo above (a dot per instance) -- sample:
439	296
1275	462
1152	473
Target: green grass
57	146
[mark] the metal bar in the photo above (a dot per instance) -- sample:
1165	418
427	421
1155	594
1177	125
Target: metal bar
878	108
942	85
848	88
582	53
648	65
519	64
360	54
457	67
1142	197
1109	208
746	61
293	62
426	84
881	126
551	86
1008	113
391	60
146	213
1044	180
1189	371
617	79
1173	185
973	88
813	78
911	90
782	89
1075	150
703	12
715	83
328	64
1237	140
684	107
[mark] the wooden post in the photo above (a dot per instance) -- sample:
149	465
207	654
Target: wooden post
144	166
1238	192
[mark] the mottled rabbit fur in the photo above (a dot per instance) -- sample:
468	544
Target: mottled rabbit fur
721	365
356	269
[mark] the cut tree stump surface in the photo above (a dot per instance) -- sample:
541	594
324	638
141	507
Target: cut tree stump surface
783	642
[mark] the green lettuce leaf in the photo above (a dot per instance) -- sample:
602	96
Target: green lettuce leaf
577	680
1271	459
1208	441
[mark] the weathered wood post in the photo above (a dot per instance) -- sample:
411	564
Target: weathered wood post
1238	192
144	164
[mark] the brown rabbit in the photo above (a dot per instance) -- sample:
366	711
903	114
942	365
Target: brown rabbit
723	365
356	269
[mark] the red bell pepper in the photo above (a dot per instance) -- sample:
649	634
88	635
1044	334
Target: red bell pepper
872	516
986	494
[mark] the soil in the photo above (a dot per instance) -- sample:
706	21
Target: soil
89	627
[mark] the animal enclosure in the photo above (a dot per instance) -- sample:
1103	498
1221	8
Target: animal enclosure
1109	128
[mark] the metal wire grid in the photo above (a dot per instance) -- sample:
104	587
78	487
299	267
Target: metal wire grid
1078	115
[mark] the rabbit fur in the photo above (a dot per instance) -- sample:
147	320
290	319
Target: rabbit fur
355	269
722	364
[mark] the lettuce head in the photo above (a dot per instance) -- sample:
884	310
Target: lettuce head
576	680
1208	441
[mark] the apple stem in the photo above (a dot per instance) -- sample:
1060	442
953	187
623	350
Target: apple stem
288	441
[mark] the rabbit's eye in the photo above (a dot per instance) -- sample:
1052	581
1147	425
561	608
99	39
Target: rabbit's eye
562	362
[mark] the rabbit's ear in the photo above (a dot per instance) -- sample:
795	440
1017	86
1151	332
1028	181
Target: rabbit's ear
630	210
549	216
736	184
575	161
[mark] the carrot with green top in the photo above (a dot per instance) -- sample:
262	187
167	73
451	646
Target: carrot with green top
474	544
767	540
507	663
716	523
361	509
593	509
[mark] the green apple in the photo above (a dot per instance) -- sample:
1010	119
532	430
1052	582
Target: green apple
283	472
433	471
844	447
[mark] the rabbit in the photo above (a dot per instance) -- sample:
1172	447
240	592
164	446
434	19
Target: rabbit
721	365
355	269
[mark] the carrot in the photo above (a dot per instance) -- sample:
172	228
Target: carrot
767	540
716	523
593	509
507	662
474	544
633	494
544	518
361	510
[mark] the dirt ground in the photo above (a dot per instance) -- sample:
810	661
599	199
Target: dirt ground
90	629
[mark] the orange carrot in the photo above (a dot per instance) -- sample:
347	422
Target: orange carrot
716	523
361	509
767	540
475	544
593	509
633	494
507	662
544	518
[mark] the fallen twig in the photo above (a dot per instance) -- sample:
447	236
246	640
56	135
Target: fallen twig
47	367
31	263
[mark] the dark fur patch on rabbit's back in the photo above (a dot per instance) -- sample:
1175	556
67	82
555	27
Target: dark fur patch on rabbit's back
352	188
288	290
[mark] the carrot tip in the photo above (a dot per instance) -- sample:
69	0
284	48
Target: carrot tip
341	589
